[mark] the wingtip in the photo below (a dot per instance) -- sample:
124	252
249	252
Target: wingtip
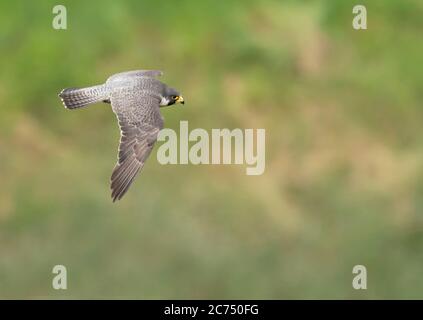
117	195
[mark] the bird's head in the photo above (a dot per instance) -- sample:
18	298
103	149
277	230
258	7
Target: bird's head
171	96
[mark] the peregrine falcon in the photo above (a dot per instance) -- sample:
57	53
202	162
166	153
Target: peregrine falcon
135	97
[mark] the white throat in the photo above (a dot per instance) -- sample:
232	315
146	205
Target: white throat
164	101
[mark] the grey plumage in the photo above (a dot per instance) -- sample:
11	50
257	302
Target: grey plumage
80	97
135	97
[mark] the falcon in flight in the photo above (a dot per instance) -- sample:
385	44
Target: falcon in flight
136	97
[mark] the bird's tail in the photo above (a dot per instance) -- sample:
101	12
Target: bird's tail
73	98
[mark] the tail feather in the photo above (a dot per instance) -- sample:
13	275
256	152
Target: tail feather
73	98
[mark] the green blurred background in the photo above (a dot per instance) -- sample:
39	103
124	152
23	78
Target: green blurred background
344	152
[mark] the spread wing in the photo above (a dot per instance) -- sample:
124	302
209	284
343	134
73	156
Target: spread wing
135	74
145	73
140	122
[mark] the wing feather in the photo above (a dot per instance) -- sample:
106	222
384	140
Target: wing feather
140	122
135	74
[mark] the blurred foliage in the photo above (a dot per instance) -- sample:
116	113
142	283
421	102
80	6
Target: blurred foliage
343	183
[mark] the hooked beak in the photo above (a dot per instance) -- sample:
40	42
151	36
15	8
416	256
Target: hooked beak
180	99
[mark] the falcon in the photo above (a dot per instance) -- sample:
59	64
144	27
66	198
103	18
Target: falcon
135	97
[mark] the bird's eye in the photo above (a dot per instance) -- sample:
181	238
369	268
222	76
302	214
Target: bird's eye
174	97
